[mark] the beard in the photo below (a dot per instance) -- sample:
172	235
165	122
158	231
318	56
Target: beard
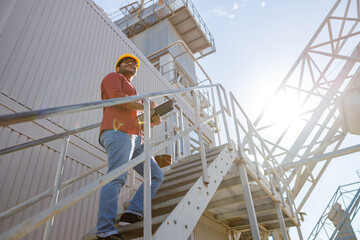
128	71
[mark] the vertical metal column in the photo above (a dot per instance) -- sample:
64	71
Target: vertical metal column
281	222
248	201
147	172
57	186
201	140
224	118
178	141
173	155
182	129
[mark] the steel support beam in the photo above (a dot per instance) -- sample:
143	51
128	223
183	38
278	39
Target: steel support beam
147	172
326	156
249	202
281	222
57	186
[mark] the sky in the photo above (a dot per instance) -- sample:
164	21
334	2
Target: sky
257	42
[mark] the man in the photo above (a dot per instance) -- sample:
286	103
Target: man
120	135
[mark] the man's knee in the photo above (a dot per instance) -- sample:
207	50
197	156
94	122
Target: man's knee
159	177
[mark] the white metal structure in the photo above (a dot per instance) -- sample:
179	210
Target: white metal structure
316	88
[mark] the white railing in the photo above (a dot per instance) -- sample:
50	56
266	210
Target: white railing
253	147
251	141
56	207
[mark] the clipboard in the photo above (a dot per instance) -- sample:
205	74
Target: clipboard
161	110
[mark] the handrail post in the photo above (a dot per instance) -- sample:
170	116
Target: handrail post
201	140
224	117
178	150
181	128
57	186
172	127
240	147
147	172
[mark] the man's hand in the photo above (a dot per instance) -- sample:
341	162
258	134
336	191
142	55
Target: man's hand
153	104
155	120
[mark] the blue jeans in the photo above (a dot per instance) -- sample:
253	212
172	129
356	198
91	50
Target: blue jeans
121	148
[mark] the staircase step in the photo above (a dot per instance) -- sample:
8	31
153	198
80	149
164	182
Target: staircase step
172	193
182	174
189	165
184	180
135	230
164	207
196	157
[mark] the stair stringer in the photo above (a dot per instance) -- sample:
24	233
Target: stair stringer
182	220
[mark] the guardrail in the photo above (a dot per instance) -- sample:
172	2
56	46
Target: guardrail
259	153
56	207
257	148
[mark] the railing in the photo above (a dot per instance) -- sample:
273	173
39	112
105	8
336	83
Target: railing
56	207
202	25
173	71
204	93
260	154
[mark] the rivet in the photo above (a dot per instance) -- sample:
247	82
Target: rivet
185	226
189	203
197	208
174	221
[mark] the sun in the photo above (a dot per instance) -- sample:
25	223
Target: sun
283	110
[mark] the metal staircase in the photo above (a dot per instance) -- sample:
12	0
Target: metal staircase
174	195
184	197
213	183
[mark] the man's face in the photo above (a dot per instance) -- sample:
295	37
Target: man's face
127	66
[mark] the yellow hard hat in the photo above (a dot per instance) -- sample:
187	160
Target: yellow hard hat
128	55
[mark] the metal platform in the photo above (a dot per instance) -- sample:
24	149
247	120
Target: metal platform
182	14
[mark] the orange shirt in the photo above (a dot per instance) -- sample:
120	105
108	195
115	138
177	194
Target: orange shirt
115	85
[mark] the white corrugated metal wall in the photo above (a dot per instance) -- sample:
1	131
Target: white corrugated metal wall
55	53
210	230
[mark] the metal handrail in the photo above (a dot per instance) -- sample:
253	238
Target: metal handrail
46	215
56	111
47	139
266	158
57	207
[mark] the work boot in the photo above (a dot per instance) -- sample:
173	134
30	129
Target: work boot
128	218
